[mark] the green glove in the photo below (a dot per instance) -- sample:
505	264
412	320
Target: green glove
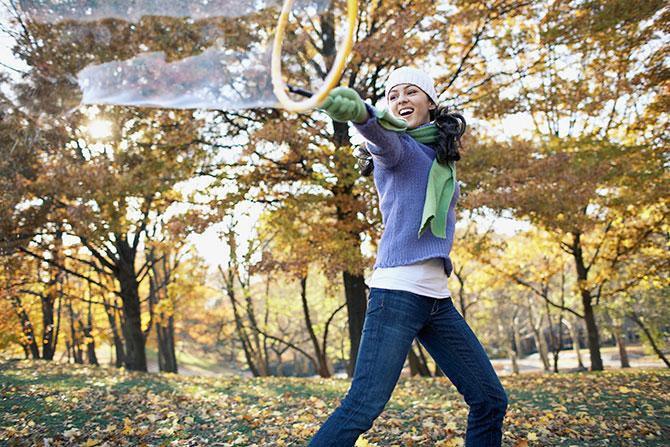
344	104
390	122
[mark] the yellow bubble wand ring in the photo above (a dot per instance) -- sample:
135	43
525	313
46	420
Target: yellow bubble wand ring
333	77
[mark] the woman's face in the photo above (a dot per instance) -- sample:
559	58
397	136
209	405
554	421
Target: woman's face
409	102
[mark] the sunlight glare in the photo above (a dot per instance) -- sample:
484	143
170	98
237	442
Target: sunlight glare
99	129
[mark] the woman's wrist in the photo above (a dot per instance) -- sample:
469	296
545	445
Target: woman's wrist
363	116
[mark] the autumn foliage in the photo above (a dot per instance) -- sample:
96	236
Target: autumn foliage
102	259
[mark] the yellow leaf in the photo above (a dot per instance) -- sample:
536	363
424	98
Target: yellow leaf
152	417
127	427
71	433
240	440
451	442
428	423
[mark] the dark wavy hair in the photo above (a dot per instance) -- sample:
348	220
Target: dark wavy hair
450	128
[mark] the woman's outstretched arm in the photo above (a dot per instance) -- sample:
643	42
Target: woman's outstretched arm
382	130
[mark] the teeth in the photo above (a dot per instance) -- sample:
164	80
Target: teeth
402	111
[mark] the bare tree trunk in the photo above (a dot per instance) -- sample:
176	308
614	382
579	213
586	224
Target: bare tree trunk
167	359
542	347
517	338
342	346
354	291
322	363
59	314
616	330
135	353
515	342
461	294
559	340
30	344
621	343
77	354
513	356
172	351
424	360
257	351
587	303
118	342
572	323
244	339
266	320
538	336
49	299
160	278
88	336
556	339
417	364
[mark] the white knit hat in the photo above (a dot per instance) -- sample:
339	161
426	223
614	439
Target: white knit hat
409	75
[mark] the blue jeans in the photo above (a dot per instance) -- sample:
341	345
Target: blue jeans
392	321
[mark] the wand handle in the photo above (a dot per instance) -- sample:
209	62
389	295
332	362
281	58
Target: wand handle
299	91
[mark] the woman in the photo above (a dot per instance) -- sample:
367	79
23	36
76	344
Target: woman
414	173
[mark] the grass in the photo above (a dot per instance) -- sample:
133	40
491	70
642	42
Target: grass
200	364
82	405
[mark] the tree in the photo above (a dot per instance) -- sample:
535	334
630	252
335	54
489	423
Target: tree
290	155
580	171
298	243
14	277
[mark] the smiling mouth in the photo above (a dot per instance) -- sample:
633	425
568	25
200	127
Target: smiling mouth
407	111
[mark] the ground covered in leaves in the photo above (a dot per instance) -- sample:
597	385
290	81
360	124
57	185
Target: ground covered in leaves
50	404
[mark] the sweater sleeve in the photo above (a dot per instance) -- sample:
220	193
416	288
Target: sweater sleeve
385	145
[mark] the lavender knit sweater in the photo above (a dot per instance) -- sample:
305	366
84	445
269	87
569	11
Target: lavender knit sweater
402	165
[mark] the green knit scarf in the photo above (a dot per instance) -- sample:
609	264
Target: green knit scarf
440	188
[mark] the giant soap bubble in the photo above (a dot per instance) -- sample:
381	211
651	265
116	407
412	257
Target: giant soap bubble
211	54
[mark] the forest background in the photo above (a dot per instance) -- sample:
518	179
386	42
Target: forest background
101	208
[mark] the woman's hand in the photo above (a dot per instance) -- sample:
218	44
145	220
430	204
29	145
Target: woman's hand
344	104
